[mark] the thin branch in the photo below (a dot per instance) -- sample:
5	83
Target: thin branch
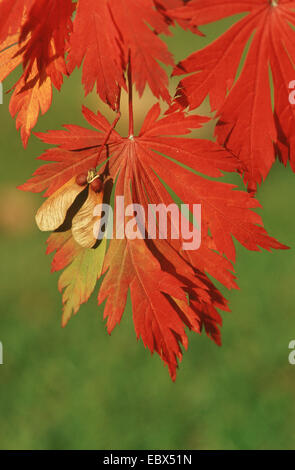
130	100
115	122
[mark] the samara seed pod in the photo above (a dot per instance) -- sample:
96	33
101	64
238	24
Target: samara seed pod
72	207
97	185
53	211
83	222
81	179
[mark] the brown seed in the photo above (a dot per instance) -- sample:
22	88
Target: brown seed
81	179
96	185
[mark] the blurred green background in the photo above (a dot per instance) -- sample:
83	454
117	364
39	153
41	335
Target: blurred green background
78	388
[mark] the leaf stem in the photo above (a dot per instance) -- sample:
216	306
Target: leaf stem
130	100
108	136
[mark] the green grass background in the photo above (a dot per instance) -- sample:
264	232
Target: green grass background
78	388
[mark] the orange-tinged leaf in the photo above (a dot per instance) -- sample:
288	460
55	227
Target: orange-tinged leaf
12	14
66	249
79	279
35	34
46	32
28	100
9	57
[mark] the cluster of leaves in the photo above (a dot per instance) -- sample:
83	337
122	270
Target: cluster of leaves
120	45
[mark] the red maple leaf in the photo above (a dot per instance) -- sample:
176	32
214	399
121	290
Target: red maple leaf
47	29
113	33
12	16
39	35
35	34
248	125
170	289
